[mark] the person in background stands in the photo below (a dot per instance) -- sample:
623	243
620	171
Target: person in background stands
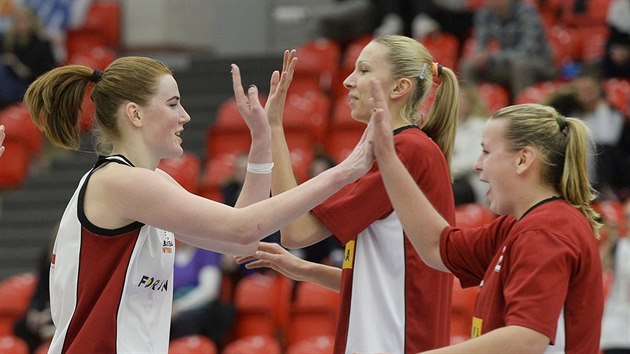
523	57
24	55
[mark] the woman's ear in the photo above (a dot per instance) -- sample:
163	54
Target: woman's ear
525	159
132	114
401	88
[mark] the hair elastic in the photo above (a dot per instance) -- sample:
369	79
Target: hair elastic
96	76
437	69
562	123
260	168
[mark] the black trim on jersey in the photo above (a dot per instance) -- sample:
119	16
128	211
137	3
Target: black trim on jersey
396	131
551	199
102	160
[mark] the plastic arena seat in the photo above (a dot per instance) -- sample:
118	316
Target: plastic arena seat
192	344
314	313
254	345
314	345
15	292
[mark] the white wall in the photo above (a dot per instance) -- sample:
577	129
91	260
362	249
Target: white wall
226	27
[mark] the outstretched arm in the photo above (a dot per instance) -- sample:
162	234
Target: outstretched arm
272	255
307	229
421	222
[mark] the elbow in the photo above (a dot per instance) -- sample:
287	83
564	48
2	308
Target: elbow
289	241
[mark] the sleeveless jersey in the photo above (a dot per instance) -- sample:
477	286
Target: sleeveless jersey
110	289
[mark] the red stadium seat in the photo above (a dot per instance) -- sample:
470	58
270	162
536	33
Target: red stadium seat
254	298
495	96
314	313
15	164
19	126
184	169
215	173
341	142
444	47
15	292
473	214
80	41
13	345
319	61
105	18
315	345
618	93
301	151
593	41
306	109
565	44
539	92
192	344
98	57
254	345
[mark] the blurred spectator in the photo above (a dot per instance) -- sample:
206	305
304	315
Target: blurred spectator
616	61
231	187
616	320
196	287
25	54
418	18
467	188
610	171
523	56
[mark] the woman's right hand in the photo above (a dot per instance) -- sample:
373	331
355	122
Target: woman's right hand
274	256
279	86
361	158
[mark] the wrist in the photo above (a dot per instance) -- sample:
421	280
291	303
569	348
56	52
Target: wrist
260	168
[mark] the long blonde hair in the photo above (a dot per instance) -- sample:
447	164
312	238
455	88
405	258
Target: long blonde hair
563	144
410	59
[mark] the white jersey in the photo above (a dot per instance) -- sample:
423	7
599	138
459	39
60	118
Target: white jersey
110	290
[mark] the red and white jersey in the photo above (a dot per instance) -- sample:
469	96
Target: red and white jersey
110	290
542	272
390	300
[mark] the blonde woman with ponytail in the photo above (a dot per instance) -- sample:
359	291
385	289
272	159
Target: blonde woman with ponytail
391	301
538	263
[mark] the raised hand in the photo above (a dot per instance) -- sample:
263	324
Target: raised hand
380	122
249	104
279	86
361	158
272	255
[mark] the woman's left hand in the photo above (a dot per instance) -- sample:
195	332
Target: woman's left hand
249	104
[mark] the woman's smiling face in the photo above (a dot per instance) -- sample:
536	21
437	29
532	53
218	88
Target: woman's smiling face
497	166
370	65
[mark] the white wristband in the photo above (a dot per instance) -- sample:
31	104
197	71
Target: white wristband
260	168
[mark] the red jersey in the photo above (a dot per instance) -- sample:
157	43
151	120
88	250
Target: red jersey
542	272
390	300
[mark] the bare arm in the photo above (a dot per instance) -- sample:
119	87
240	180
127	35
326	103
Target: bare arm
272	255
421	222
307	229
510	339
256	187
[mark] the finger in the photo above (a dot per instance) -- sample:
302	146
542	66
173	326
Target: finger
270	247
252	94
275	80
239	93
